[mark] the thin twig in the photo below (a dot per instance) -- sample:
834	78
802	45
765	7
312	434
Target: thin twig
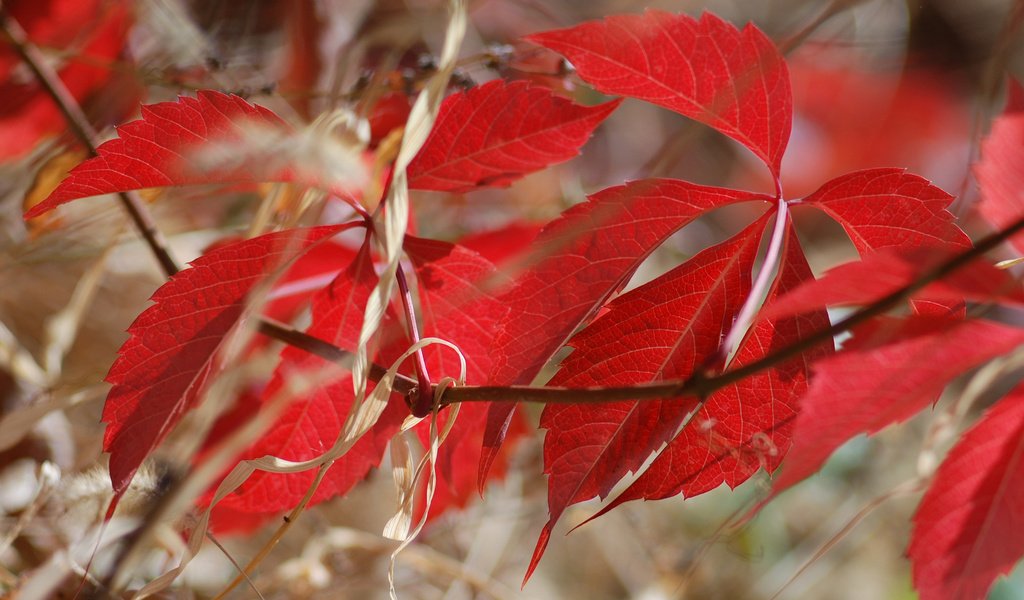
289	520
906	488
234	563
329	352
797	39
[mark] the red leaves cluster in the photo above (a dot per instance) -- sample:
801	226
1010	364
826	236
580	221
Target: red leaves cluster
677	327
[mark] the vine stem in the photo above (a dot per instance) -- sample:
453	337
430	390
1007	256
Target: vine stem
329	352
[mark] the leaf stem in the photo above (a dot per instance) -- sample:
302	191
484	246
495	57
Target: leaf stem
424	401
758	291
702	386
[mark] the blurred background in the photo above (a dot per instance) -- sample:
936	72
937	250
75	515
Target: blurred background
876	83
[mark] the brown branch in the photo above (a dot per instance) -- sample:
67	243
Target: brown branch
700	385
329	352
797	39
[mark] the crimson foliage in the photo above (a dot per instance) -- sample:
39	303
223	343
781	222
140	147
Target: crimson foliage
793	413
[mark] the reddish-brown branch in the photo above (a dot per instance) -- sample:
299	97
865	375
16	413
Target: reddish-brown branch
329	352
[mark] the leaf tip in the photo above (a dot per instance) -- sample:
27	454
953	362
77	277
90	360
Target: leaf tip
538	552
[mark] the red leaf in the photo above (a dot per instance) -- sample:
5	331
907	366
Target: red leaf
662	330
494	134
747	425
869	386
882	208
732	80
173	345
311	272
311	424
881	273
965	529
579	260
504	244
1001	170
389	113
161	148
